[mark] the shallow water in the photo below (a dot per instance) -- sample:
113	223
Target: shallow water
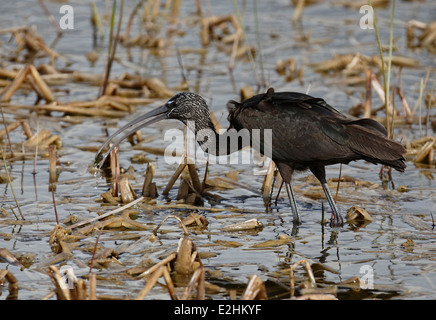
399	271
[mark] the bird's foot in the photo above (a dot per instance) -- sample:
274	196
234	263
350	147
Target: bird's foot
297	221
336	221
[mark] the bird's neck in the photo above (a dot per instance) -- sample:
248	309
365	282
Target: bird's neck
214	143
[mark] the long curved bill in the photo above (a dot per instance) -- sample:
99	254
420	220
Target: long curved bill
159	113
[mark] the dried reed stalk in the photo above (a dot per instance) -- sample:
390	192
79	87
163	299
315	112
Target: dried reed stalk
148	186
197	278
174	177
298	11
9	128
169	282
107	214
185	231
308	270
126	190
43	87
52	160
268	181
163	262
150	283
13	283
194	178
92	286
115	170
15	84
62	292
255	289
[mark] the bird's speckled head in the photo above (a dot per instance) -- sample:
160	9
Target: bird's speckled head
186	106
190	108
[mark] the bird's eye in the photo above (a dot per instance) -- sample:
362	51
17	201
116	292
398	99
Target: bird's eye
171	104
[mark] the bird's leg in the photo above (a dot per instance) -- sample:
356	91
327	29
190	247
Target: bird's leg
286	173
295	216
337	220
278	192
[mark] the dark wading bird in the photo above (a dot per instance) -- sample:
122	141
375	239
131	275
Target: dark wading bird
307	133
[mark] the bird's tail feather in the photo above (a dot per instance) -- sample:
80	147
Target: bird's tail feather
375	146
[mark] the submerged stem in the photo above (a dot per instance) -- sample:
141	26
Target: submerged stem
10	182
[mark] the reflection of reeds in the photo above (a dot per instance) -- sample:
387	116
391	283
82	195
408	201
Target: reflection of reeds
10	183
3	151
386	78
112	48
96	22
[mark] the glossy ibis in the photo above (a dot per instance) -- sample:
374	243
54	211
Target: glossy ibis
307	133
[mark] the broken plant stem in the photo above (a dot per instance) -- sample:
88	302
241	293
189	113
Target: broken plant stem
169	282
197	277
92	286
150	283
185	231
104	215
152	269
308	270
